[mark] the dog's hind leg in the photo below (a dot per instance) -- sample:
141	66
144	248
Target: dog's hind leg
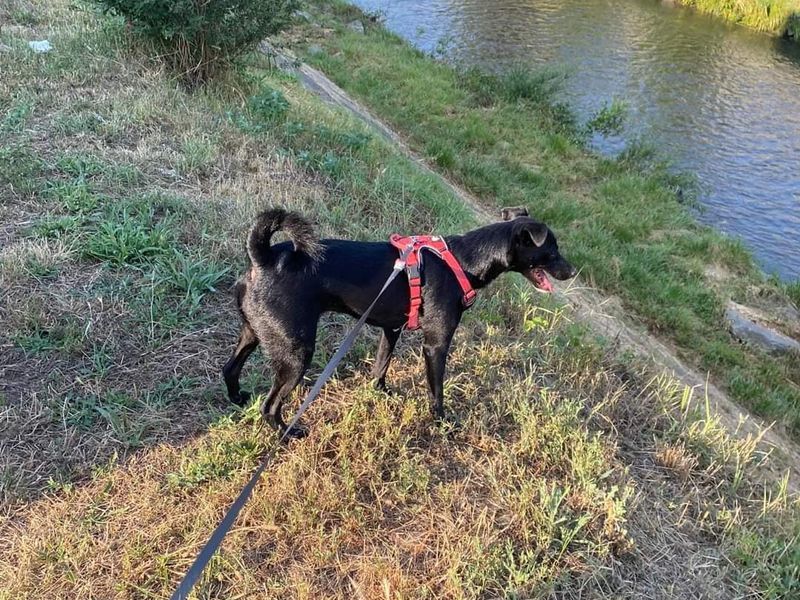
384	356
233	368
289	370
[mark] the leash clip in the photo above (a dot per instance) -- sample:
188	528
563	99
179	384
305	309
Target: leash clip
400	263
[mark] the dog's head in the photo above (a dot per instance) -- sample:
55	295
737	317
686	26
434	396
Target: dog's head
534	250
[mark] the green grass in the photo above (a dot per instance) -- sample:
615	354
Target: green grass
793	291
510	141
780	17
574	471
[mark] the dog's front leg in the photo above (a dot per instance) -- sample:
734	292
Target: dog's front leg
435	348
384	356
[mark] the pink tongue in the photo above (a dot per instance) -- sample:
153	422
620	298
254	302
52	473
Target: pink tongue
541	281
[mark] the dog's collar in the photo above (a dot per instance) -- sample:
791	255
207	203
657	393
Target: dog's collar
412	246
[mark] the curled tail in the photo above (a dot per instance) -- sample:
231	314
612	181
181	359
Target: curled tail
300	232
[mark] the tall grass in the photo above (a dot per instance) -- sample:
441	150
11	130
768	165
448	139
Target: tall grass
781	17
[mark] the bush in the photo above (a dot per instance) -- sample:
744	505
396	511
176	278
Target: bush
199	36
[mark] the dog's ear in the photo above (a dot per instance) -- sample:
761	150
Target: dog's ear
512	212
535	233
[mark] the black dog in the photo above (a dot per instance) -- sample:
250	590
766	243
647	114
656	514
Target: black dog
292	283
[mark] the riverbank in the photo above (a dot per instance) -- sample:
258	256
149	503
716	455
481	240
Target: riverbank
777	17
509	141
125	202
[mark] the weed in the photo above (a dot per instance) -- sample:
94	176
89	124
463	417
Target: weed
197	156
772	560
442	154
16	116
83	121
57	227
268	106
538	87
609	120
39	269
130	233
74	197
793	291
774	16
20	169
65	336
128	241
80	166
219	461
191	276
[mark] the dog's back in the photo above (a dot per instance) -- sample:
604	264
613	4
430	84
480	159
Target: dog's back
290	285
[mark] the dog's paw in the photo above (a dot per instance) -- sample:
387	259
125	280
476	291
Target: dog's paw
384	389
449	426
298	432
453	427
242	399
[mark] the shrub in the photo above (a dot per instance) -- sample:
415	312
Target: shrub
199	36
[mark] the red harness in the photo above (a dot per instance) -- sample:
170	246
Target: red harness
414	244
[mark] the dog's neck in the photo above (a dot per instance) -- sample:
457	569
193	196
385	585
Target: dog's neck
483	253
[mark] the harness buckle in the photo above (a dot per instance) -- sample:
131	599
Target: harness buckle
469	297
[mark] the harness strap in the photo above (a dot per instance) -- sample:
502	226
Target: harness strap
414	245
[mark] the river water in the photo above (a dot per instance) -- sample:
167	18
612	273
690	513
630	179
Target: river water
719	101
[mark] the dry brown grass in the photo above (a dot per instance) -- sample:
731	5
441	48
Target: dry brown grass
676	458
574	472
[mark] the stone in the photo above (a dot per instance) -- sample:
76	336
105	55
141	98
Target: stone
315	50
356	26
745	328
171	173
40	47
301	14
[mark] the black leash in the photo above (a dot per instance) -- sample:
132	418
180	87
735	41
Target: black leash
213	543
